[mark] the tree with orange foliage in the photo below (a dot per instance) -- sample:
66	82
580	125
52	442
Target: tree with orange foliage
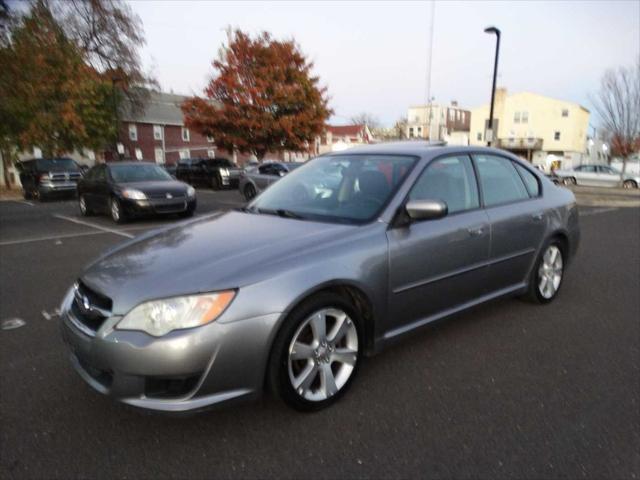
264	98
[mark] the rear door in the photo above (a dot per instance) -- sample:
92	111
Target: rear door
101	190
439	265
264	175
512	199
586	175
607	177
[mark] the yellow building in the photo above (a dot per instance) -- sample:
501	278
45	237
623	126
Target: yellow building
541	129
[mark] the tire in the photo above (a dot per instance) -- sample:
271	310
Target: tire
547	266
188	213
82	205
249	191
116	211
629	184
570	181
215	183
26	194
325	368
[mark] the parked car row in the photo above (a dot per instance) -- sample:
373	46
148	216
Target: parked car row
44	178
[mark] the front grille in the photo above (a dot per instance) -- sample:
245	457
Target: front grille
65	177
163	196
170	207
90	307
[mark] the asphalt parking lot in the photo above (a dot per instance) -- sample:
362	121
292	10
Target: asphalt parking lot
507	390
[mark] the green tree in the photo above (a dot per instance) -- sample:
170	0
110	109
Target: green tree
262	98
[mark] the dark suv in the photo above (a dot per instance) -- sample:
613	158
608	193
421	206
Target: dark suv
211	172
43	178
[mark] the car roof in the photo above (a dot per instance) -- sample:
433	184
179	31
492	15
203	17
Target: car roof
416	148
111	164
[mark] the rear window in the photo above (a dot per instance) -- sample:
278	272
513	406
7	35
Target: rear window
57	164
500	181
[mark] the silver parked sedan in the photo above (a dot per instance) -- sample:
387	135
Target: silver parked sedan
257	178
597	176
294	289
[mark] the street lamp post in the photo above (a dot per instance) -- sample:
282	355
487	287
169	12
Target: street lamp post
495	75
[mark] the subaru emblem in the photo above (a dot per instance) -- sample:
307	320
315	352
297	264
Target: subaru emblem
169	195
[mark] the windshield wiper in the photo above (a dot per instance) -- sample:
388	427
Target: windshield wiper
281	212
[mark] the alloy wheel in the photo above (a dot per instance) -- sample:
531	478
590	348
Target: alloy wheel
115	210
83	205
249	191
550	272
322	354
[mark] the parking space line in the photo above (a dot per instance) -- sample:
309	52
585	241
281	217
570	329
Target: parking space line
50	237
93	225
23	202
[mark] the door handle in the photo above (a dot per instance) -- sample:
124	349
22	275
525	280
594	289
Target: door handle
475	231
537	216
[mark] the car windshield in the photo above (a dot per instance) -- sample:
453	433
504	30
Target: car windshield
340	188
138	173
57	164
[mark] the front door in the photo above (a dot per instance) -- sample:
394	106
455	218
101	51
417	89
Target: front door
436	266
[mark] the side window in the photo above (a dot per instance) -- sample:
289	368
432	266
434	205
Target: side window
530	181
451	180
100	174
499	180
266	169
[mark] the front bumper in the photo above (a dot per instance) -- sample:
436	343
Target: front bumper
155	206
48	188
184	370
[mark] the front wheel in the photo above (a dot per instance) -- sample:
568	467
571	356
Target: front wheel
317	353
548	272
570	181
249	191
117	213
215	183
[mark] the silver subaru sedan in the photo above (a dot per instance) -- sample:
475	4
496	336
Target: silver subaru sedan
339	259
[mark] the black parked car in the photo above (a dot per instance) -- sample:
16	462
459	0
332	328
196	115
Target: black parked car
210	172
127	189
43	178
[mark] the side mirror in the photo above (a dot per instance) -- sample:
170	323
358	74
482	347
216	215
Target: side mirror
426	209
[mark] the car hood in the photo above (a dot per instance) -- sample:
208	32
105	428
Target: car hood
228	250
159	186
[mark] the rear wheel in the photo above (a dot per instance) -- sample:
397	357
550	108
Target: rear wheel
570	181
82	204
215	182
629	184
548	272
249	191
317	353
117	213
26	194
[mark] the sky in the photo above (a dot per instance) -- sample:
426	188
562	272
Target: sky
373	56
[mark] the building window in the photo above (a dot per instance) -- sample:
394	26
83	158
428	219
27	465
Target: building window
138	154
411	132
479	136
133	132
210	138
565	112
525	117
556	135
159	155
516	117
211	153
185	134
157	132
419	129
184	153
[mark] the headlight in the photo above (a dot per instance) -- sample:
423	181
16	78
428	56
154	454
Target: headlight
224	172
191	191
133	194
160	317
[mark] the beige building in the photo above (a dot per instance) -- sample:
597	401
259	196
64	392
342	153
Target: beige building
438	122
543	130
